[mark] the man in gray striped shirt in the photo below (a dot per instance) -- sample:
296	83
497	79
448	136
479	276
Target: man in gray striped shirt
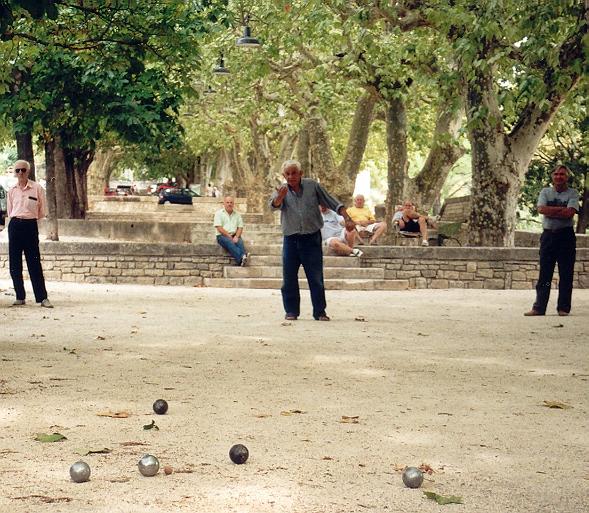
298	201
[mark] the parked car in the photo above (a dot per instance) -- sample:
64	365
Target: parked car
177	195
124	190
162	186
3	206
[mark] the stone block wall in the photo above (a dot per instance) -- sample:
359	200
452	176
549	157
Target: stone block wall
469	268
148	264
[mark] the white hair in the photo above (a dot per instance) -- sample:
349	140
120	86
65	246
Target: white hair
291	163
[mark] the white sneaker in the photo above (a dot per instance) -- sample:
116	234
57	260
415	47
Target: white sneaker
18	302
356	252
424	242
46	304
244	259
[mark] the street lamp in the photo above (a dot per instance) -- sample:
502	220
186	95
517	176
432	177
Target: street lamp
220	68
247	41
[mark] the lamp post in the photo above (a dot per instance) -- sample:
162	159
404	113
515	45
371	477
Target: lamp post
220	68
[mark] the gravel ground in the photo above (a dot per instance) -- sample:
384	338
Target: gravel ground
331	412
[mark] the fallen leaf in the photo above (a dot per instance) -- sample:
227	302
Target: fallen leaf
360	319
242	315
114	414
286	323
151	426
46	438
44	498
132	444
557	405
355	419
100	337
558	326
399	467
425	468
443	500
286	413
422	334
262	415
88	452
119	480
327	458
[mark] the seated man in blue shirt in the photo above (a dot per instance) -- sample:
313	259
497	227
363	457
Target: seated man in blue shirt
228	228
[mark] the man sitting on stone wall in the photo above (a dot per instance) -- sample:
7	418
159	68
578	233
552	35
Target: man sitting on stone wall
410	221
228	229
365	220
336	237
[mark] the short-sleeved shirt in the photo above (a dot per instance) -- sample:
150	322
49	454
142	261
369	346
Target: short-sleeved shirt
550	197
299	211
26	203
332	225
230	222
360	214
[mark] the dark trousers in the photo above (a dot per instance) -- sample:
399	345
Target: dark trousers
235	250
303	250
556	247
23	236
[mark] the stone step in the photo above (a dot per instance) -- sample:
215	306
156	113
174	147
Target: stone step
337	273
259	260
186	216
330	284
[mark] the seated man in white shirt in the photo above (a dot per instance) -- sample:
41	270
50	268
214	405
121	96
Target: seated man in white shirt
335	236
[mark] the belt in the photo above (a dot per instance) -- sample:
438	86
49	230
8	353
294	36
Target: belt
23	219
558	230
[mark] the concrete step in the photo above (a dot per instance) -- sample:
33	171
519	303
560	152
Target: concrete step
330	284
179	216
337	273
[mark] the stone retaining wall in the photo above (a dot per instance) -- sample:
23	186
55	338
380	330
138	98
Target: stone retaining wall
188	264
149	264
472	268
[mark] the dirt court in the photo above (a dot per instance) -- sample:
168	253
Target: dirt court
331	412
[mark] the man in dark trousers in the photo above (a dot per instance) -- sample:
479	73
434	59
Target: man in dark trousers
558	204
25	205
298	201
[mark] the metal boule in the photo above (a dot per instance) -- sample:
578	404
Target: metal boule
412	477
148	465
80	472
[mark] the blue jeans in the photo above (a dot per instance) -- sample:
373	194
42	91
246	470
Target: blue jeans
236	250
306	250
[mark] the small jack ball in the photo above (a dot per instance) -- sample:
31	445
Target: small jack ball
412	477
239	454
80	472
160	407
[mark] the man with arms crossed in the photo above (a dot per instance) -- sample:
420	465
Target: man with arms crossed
558	204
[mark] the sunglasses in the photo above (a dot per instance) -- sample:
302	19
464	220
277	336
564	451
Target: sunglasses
21	170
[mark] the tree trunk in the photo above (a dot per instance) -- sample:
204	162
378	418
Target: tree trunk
63	191
101	169
52	225
397	163
77	162
583	220
303	149
24	150
357	141
444	152
323	166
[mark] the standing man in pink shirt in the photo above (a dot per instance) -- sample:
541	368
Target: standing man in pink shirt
25	205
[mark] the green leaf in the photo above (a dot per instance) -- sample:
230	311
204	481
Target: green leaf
443	500
151	426
54	437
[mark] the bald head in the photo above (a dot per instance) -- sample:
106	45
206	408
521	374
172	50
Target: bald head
228	203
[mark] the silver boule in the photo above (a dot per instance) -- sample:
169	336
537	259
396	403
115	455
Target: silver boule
80	472
149	465
412	477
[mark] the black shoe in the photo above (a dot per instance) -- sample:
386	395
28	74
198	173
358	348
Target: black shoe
322	318
291	317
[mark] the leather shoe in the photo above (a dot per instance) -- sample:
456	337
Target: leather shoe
563	313
291	317
533	313
322	318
